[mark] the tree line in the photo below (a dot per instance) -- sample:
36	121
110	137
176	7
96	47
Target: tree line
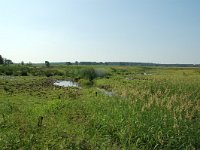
5	61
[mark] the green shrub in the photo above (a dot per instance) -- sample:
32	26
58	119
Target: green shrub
9	72
88	73
48	73
17	73
101	72
85	82
91	73
24	72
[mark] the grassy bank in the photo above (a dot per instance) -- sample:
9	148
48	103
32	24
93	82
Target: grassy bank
151	108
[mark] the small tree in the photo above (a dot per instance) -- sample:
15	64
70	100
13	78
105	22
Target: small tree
76	63
29	64
47	63
68	63
1	60
8	61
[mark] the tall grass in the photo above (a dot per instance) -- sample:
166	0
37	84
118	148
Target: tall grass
158	111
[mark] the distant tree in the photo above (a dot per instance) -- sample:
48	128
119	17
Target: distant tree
29	64
68	63
22	63
8	61
76	62
47	63
1	60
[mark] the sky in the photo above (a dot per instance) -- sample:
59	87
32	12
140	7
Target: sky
156	31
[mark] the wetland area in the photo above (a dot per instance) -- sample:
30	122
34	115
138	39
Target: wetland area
99	107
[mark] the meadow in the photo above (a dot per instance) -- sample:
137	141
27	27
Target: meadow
149	108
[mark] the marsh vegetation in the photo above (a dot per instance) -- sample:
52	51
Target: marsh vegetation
151	108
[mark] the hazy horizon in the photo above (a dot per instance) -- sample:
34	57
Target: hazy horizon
151	31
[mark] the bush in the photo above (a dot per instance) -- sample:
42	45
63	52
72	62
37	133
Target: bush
85	82
9	72
17	73
91	73
58	73
48	73
88	73
24	72
101	72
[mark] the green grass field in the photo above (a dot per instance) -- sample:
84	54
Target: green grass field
150	108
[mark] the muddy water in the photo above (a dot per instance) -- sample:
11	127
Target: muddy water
66	83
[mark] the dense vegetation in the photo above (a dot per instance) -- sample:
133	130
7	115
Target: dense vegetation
150	107
4	61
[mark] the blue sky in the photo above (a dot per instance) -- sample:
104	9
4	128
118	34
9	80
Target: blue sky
160	31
